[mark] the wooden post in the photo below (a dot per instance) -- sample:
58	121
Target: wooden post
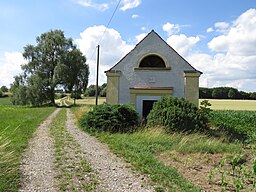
97	75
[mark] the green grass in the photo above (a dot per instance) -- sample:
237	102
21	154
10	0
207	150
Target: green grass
140	149
17	126
74	172
5	101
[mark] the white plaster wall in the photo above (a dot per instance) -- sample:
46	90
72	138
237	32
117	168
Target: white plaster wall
151	78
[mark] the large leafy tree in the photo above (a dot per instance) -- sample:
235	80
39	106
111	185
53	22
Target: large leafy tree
50	63
75	72
4	89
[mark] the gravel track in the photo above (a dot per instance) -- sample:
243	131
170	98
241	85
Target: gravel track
114	174
38	160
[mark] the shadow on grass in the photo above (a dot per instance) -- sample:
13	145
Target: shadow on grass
230	135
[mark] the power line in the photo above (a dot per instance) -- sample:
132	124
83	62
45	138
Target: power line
112	16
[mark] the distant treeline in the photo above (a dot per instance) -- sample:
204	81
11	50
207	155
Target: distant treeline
225	93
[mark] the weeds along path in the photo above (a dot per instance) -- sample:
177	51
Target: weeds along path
38	160
73	171
113	174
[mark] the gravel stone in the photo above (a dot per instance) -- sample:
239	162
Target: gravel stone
114	174
37	164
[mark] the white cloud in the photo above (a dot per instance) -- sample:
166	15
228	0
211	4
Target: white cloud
135	16
129	4
221	25
10	66
89	3
143	28
140	37
210	29
240	39
171	28
182	44
233	62
112	49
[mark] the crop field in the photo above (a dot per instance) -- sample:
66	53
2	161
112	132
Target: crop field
16	128
224	104
90	101
237	122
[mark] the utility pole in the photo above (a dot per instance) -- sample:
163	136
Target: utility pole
97	74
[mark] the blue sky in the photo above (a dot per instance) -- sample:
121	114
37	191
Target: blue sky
217	37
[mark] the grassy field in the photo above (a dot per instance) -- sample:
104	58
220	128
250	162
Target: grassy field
17	127
5	101
166	158
90	101
217	104
143	148
224	104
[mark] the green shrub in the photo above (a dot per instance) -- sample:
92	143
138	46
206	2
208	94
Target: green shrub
76	96
112	118
177	114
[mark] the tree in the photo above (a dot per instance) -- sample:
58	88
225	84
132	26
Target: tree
205	93
220	93
253	95
4	89
91	91
19	90
233	93
76	73
50	63
103	90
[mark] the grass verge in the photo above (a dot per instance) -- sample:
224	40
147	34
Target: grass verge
74	172
141	149
17	127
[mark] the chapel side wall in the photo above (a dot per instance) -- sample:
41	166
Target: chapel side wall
112	96
191	87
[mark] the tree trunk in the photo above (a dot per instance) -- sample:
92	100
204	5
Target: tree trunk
52	96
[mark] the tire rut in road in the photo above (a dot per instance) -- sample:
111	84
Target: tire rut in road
74	173
38	160
114	174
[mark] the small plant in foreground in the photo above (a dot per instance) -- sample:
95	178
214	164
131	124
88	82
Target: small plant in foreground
235	172
8	160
